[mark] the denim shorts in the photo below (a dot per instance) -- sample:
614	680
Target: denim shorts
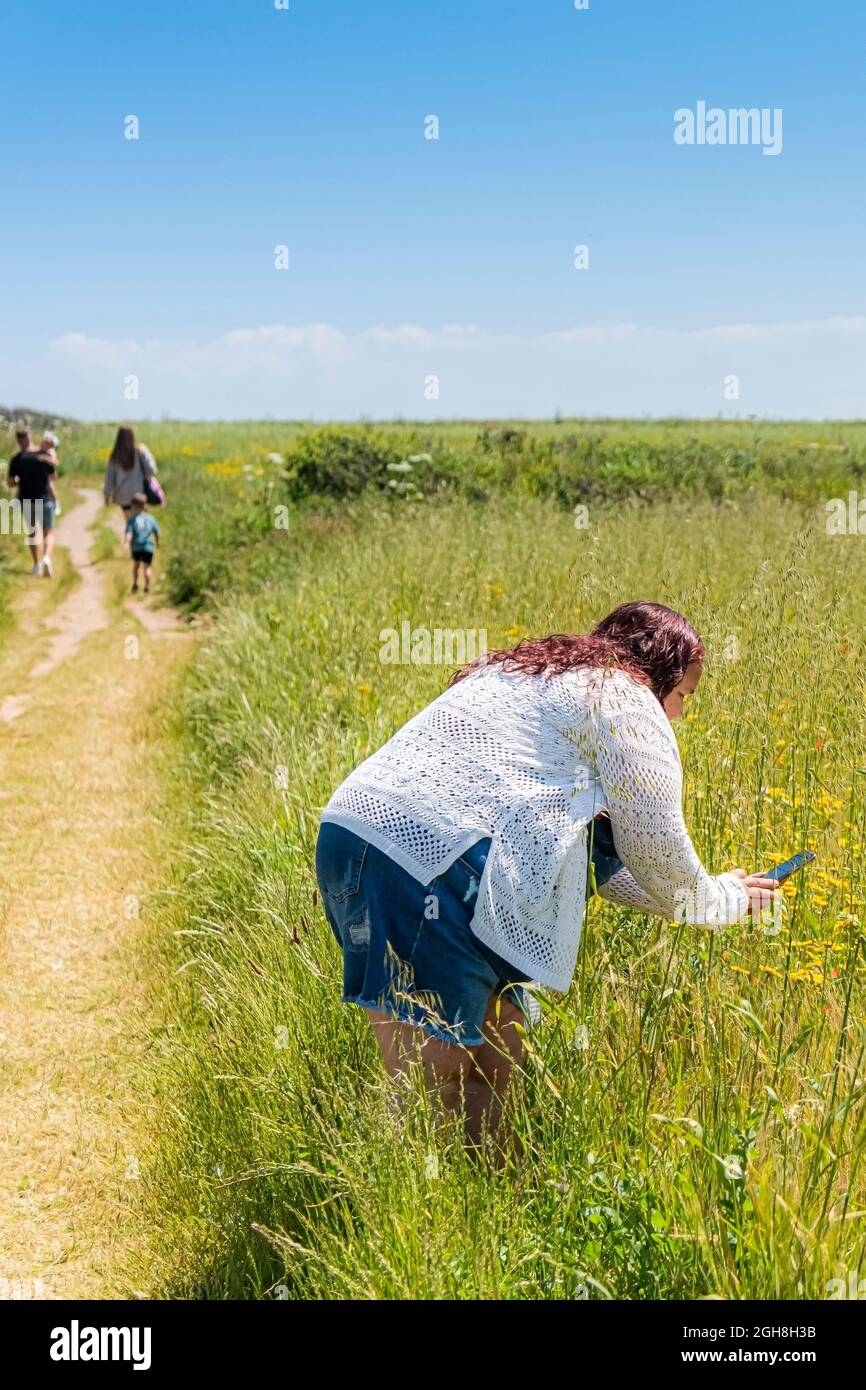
602	858
37	513
408	948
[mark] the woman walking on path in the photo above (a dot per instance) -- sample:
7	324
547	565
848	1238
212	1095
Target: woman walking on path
455	862
129	466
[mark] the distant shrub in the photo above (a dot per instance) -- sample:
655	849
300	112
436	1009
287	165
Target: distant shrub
505	440
340	462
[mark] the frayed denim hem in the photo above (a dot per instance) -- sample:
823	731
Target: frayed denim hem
401	1014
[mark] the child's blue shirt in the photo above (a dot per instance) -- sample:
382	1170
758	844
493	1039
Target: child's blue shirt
142	528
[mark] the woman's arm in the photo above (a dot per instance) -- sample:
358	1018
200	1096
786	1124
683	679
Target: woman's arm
622	889
148	462
641	774
108	484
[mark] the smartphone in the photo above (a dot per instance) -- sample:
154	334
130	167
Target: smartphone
790	866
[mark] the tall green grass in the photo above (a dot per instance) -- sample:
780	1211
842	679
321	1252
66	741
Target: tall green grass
692	1111
224	480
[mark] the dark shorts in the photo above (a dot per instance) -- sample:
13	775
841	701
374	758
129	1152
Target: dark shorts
145	557
408	948
37	513
603	860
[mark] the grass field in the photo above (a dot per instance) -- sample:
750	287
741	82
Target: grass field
227	479
693	1109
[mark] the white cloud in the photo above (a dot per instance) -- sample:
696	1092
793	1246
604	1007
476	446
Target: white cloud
811	368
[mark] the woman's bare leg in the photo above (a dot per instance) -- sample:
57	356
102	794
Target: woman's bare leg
474	1078
496	1061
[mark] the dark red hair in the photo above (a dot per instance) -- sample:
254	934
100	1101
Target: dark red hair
652	643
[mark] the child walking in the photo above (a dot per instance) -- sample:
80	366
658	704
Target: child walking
141	540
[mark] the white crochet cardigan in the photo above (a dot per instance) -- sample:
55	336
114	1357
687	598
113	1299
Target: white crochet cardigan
528	761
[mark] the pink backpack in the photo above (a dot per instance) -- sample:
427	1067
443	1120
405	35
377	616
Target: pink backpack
153	491
152	486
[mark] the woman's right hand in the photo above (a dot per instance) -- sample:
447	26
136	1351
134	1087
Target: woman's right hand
763	892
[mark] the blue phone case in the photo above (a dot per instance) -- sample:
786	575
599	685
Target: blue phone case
790	866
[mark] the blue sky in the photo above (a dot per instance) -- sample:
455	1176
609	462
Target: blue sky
412	258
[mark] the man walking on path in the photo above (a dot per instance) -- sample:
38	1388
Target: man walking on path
34	473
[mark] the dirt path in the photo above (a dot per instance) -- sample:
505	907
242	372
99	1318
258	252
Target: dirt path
80	851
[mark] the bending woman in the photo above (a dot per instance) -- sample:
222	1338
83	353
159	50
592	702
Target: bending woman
454	863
